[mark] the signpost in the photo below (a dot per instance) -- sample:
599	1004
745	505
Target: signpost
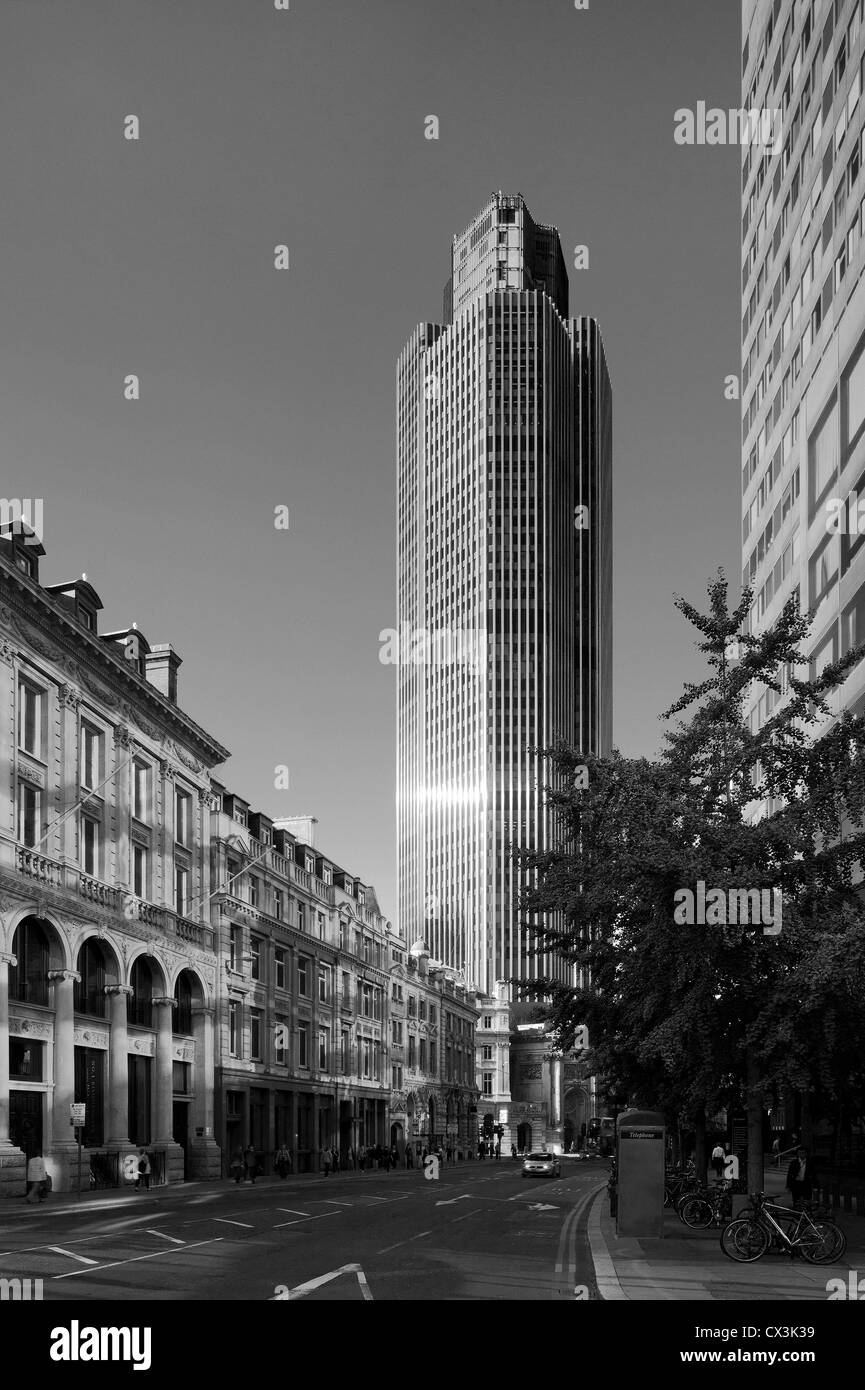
77	1113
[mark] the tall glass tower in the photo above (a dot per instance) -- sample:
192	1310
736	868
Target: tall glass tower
504	577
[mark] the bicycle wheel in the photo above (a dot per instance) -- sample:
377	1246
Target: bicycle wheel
744	1240
824	1244
696	1212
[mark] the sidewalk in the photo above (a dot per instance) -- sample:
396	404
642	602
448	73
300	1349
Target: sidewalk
690	1265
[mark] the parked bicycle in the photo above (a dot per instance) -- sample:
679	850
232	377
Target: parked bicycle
676	1185
706	1208
767	1225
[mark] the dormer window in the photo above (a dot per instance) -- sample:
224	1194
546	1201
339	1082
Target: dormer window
361	896
327	873
86	618
310	864
25	564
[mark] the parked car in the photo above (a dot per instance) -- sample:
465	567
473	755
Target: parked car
542	1165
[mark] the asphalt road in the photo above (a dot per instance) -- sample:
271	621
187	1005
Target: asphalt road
480	1232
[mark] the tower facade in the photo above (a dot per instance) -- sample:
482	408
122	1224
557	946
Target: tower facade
504	577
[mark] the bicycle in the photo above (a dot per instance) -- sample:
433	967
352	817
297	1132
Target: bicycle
675	1186
769	1225
704	1209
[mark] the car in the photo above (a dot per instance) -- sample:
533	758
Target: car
542	1165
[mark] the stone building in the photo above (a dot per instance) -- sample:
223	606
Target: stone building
302	1038
108	972
433	1019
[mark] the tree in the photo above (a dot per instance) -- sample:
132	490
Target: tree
691	1017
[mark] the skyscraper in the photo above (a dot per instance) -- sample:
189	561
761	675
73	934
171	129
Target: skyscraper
504	575
803	329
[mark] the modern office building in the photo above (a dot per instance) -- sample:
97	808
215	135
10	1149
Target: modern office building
504	572
803	328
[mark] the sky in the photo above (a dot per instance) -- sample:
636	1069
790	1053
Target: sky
263	388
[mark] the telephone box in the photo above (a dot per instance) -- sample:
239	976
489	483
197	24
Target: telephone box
640	1148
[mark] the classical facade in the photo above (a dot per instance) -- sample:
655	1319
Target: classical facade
303	996
433	1019
108	967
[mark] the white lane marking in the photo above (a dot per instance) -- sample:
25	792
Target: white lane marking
469	1213
224	1221
58	1250
175	1240
331	1203
320	1217
420	1235
157	1255
301	1290
391	1247
466	1197
292	1211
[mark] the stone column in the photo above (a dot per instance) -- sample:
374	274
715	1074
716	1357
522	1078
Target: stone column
118	1067
123	751
63	982
12	1163
164	1126
205	1161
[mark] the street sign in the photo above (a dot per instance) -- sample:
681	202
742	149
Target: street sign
77	1111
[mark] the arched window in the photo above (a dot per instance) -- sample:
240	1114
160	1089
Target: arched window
183	1012
140	1003
89	991
28	980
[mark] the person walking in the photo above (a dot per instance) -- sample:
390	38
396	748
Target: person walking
143	1179
326	1160
718	1160
237	1165
251	1160
282	1160
513	1150
37	1179
802	1177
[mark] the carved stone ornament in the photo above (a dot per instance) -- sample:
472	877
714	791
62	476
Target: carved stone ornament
69	697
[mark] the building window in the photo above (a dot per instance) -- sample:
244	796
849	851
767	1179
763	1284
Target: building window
235	944
90	837
180	1078
412	1006
181	890
486	1053
182	818
91	757
280	1033
279	964
301	916
367	1057
303	976
345	1057
432	1056
412	1055
321	926
28	814
854	401
824	458
141	791
366	1001
487	1083
278	904
30	718
255	948
234	1028
323	1049
324	984
422	1050
421	1010
255	1034
139	871
432	1014
254	891
488	1020
346	989
303	1044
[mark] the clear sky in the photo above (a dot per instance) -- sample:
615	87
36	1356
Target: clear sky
262	388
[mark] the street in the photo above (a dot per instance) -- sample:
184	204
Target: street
482	1231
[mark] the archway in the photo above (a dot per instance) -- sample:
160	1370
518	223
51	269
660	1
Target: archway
97	967
32	947
524	1138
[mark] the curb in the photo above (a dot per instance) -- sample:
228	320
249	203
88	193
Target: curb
605	1271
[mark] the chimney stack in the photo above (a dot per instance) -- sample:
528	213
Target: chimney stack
162	663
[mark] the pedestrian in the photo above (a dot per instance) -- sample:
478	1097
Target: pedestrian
143	1179
802	1177
237	1165
718	1160
37	1178
498	1148
326	1161
513	1150
282	1160
251	1160
409	1159
336	1160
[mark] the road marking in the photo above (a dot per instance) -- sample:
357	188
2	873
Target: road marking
320	1217
157	1255
224	1221
58	1250
301	1290
421	1235
331	1203
469	1213
292	1212
541	1206
466	1197
175	1240
391	1247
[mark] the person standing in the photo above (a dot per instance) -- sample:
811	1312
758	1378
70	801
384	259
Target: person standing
251	1161
143	1179
37	1179
802	1177
326	1161
718	1160
237	1165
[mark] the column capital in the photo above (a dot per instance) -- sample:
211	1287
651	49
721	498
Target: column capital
70	698
58	976
8	653
166	999
123	736
119	989
6	958
166	769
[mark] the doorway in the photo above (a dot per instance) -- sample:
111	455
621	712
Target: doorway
25	1121
180	1128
